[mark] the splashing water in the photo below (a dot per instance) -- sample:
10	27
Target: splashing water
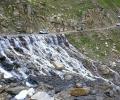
32	54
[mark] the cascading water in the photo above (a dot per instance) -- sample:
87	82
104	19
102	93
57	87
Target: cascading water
21	56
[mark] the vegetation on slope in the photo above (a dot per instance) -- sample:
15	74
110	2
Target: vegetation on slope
32	15
98	45
110	4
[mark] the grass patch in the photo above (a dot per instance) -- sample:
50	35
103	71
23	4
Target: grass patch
96	45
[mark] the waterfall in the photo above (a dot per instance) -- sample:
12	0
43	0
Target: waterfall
24	55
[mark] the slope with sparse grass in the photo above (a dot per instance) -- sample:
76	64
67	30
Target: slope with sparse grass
98	45
27	15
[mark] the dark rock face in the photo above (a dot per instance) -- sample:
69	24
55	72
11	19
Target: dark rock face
2	59
7	66
18	49
32	80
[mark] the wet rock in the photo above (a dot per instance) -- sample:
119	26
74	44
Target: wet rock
18	49
41	96
7	66
2	59
58	66
16	65
109	93
10	80
80	91
15	90
32	80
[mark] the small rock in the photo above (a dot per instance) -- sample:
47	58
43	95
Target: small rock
80	91
79	85
58	66
113	63
104	70
68	77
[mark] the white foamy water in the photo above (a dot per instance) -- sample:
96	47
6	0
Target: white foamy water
34	54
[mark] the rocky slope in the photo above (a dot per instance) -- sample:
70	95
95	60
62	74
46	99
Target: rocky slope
48	67
32	15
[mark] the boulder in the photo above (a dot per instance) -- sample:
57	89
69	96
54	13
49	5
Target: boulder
24	94
41	96
80	91
58	66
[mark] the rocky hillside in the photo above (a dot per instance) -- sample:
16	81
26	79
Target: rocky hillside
33	15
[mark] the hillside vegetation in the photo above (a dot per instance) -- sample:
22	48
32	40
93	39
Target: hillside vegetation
103	46
33	15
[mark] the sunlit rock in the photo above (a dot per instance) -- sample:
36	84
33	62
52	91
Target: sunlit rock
24	93
58	66
41	96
